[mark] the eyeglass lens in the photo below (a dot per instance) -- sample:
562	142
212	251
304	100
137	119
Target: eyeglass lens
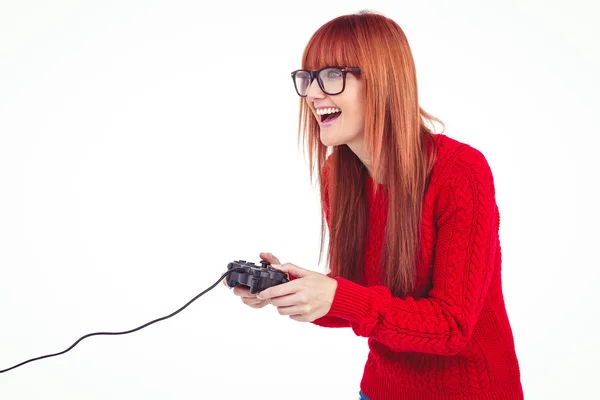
331	81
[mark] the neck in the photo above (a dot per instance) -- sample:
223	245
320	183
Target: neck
361	152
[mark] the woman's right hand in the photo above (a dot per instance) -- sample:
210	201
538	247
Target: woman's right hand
244	292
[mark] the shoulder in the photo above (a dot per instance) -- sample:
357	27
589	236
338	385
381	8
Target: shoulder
461	177
459	161
464	177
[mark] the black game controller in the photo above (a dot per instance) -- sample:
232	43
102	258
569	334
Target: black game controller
256	277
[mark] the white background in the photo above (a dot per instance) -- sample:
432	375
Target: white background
146	144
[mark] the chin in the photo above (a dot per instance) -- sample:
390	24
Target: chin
331	139
328	141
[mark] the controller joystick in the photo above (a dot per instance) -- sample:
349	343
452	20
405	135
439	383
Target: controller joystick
255	277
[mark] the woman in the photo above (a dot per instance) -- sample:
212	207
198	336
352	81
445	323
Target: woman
414	251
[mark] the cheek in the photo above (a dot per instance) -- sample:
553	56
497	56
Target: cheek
360	116
356	115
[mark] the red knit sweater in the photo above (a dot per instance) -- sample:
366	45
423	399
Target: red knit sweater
451	339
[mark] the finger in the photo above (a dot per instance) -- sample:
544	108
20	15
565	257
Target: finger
294	310
293	270
278	290
270	258
243	291
302	318
254	302
289	300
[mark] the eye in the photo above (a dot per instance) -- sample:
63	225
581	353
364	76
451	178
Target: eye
333	74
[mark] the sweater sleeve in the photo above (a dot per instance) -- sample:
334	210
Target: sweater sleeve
467	223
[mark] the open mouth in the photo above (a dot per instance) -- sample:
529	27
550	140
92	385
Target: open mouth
329	114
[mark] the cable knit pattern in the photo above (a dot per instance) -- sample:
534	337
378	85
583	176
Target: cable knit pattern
451	339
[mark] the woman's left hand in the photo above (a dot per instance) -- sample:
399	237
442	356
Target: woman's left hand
304	299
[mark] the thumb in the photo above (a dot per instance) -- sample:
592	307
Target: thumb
292	269
270	258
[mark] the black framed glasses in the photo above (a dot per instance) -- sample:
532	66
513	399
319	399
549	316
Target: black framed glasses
332	80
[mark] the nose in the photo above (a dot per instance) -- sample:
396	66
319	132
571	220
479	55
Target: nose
314	92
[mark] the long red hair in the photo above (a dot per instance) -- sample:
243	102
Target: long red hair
396	135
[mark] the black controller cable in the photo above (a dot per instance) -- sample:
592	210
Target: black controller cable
120	333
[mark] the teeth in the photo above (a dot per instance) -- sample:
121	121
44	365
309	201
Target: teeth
330	110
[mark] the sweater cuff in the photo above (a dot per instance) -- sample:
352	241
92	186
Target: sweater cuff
351	301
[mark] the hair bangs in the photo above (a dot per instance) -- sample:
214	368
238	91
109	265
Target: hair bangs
332	45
